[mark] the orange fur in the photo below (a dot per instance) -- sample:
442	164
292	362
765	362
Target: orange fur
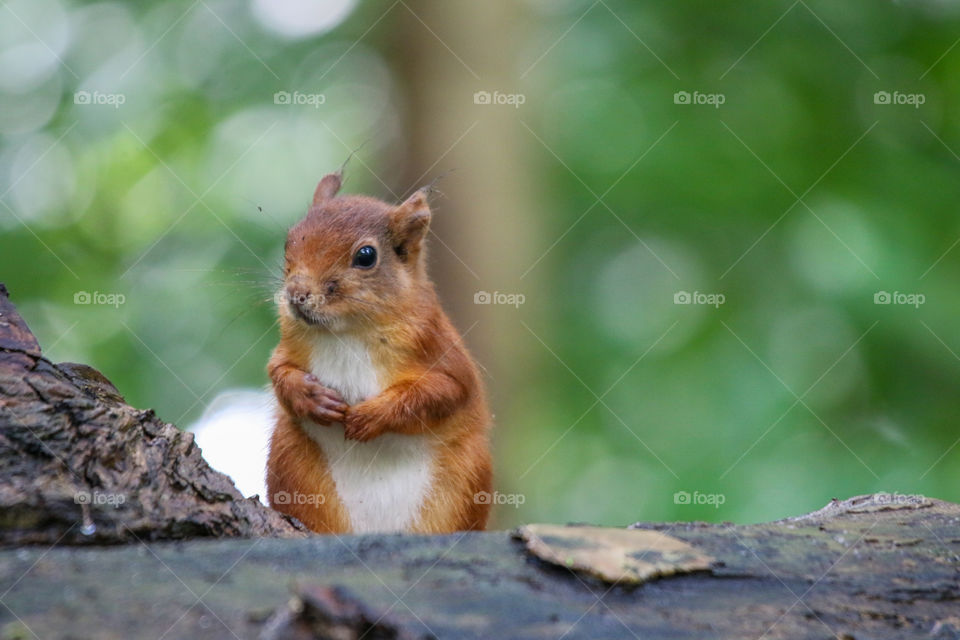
429	385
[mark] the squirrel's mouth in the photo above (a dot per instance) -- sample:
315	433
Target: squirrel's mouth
310	317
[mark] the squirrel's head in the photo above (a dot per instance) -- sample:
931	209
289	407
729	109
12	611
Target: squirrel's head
354	261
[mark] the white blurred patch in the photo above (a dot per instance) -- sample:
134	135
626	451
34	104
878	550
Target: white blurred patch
251	154
892	432
836	248
234	433
34	36
302	18
634	292
42	179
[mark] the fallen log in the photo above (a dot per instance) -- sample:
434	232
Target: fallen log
866	568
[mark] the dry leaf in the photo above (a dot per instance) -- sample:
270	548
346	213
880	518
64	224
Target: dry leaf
614	555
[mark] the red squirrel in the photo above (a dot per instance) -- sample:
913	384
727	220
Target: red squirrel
382	423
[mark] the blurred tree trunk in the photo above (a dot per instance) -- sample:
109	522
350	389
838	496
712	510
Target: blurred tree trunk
487	222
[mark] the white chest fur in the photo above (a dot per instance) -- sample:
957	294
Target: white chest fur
382	483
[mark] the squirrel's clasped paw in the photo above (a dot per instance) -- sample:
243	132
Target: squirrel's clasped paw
359	425
318	403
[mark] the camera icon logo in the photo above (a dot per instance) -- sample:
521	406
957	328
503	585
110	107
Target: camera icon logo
281	497
482	297
82	497
82	297
881	97
482	97
281	97
882	297
482	497
682	297
681	497
81	97
681	97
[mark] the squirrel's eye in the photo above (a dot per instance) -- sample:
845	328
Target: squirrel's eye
365	257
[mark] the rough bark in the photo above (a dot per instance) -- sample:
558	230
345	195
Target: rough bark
80	466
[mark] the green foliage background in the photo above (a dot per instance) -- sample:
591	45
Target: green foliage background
797	199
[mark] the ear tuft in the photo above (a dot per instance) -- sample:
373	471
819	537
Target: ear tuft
409	223
418	200
328	187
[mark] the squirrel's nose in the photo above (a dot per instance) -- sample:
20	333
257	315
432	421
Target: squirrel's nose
297	294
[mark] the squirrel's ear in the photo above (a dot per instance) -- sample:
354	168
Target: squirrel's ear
328	187
409	223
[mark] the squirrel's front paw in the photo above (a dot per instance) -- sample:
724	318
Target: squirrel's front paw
318	403
360	423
